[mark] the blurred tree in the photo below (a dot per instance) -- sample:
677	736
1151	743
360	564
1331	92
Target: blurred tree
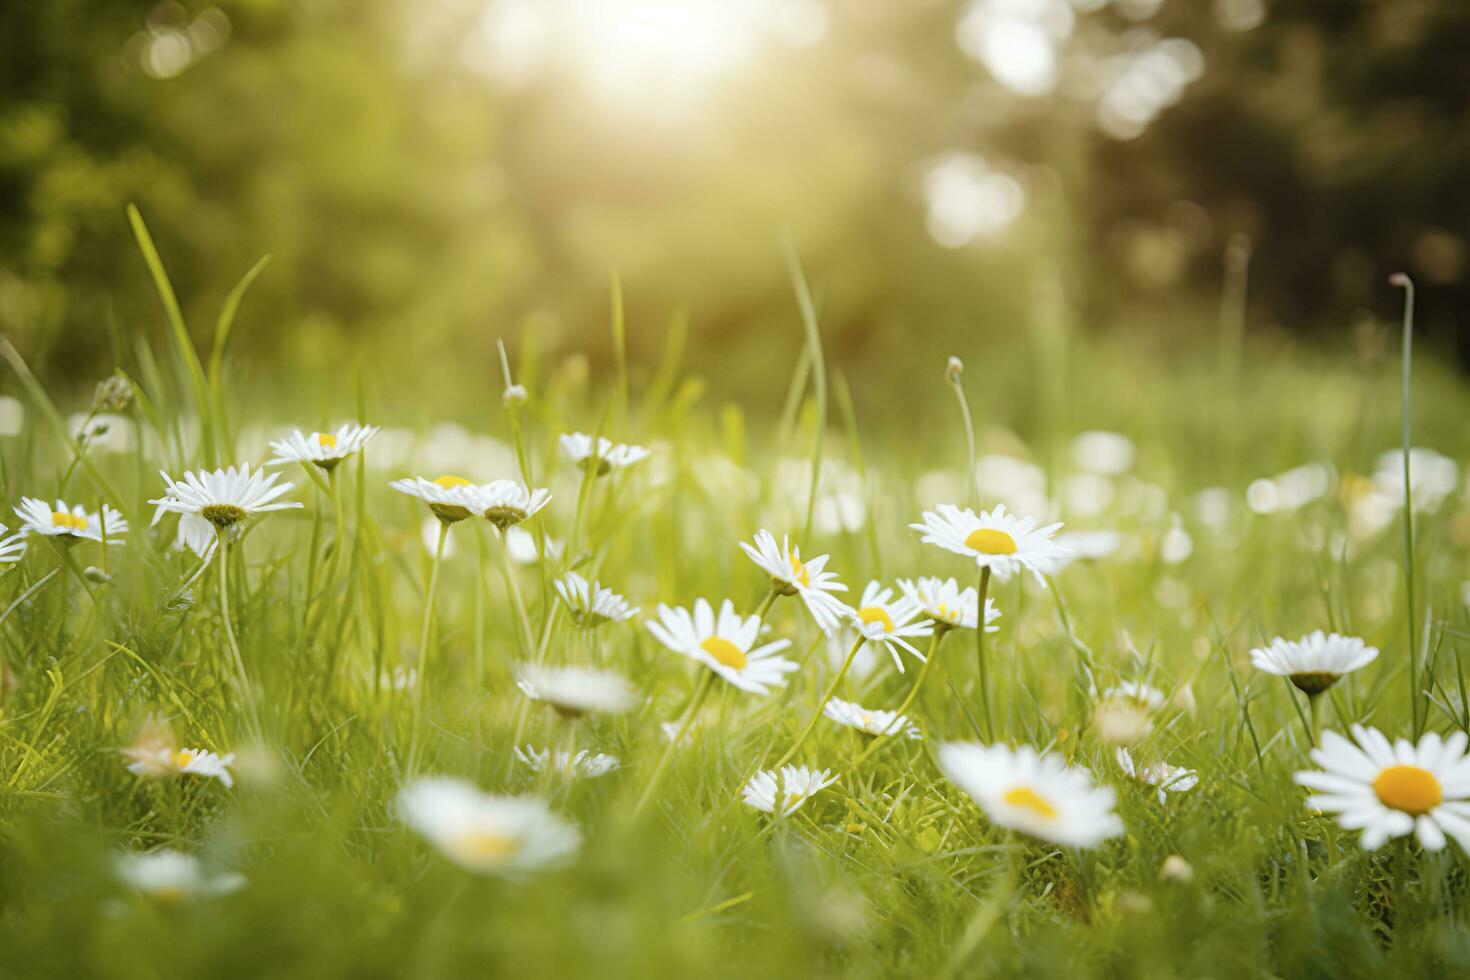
957	169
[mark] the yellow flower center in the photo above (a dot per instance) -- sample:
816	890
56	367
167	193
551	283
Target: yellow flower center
877	614
182	758
799	572
326	440
725	652
1026	798
990	541
1411	789
485	845
75	522
450	482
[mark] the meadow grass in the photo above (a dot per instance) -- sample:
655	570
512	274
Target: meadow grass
890	871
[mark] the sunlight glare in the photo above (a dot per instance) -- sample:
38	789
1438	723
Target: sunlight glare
652	55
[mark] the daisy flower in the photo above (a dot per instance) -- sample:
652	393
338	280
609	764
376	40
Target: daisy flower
725	644
13	548
521	545
1124	713
69	524
869	721
1391	789
951	607
574	691
1146	696
451	498
495	834
224	498
792	786
583	764
156	761
1037	795
1168	779
791	576
608	455
1315	662
591	605
506	503
324	449
882	620
171	876
1002	542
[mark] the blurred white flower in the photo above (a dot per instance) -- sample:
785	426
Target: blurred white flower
1104	453
323	449
590	604
574	765
70	523
1167	778
1433	476
1177	545
576	690
870	721
1035	794
171	876
522	546
494	834
1291	490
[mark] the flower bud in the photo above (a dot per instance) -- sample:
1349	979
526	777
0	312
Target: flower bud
953	370
113	394
1176	869
515	395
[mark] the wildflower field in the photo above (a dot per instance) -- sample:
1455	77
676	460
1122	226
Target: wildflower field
621	678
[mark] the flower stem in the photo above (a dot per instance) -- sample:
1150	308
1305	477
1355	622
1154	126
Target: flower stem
1314	707
904	707
958	387
514	589
246	692
980	652
1407	284
422	680
826	696
765	607
701	691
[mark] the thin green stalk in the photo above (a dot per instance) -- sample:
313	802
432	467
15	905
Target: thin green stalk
174	314
512	397
312	561
1407	284
980	652
247	693
339	535
819	376
515	593
907	701
482	586
765	607
422	682
952	374
700	693
987	914
821	705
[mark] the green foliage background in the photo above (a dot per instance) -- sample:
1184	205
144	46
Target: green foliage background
416	210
